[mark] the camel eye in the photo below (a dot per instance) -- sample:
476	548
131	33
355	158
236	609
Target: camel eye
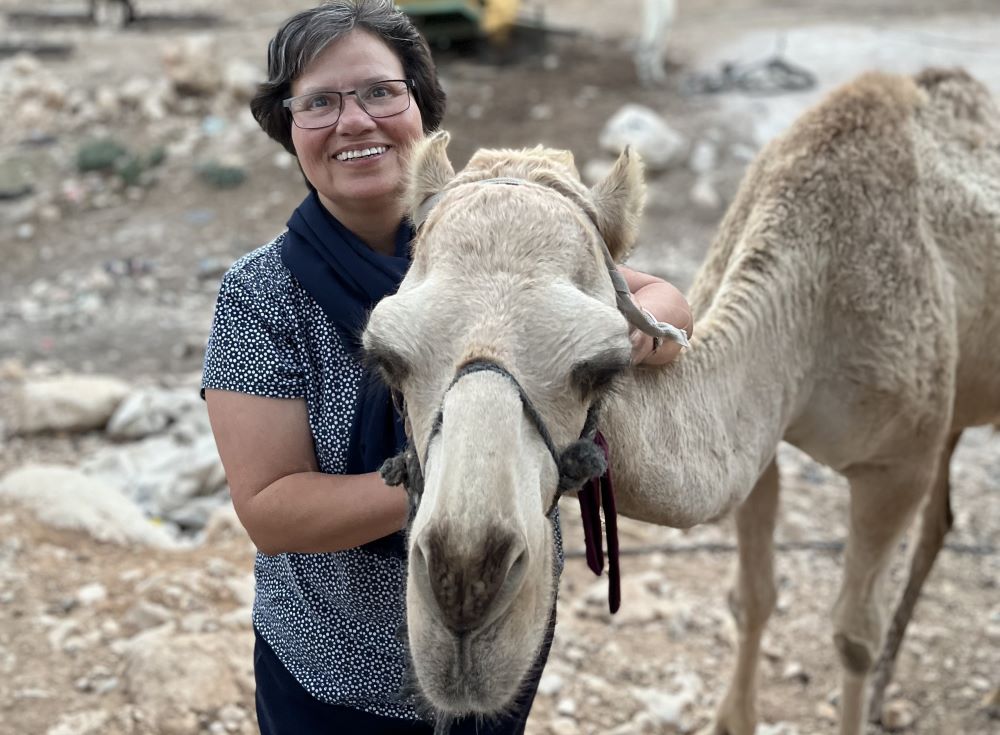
594	376
387	363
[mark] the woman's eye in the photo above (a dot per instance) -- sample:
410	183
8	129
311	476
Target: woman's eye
377	92
317	102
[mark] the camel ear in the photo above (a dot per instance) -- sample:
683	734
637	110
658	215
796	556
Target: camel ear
618	201
428	171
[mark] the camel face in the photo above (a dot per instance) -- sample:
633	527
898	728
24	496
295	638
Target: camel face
510	276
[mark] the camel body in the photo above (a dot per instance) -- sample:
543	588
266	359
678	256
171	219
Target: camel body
844	307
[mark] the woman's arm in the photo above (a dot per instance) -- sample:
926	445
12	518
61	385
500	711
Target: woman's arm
666	304
280	496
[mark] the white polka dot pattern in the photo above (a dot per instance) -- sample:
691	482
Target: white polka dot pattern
332	619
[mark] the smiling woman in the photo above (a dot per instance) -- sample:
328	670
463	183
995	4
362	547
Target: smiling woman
300	424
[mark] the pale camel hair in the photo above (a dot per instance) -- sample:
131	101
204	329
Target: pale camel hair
845	306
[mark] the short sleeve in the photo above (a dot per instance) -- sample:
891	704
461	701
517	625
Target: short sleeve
253	346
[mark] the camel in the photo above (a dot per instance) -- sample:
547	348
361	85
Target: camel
844	306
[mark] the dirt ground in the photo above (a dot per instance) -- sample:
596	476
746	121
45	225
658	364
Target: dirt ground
157	252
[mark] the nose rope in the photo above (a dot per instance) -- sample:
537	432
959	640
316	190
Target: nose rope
583	465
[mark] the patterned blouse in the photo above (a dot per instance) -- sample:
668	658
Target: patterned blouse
333	619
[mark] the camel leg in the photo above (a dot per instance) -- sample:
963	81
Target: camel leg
751	600
934	526
883	500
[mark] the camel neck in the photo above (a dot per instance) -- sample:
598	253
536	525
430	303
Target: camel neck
700	431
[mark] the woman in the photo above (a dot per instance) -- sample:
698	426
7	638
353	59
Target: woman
300	431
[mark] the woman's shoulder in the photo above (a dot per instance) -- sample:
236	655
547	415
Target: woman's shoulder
260	269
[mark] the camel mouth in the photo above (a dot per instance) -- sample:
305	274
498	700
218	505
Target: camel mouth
475	672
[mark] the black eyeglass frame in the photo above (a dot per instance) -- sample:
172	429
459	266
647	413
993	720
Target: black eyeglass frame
410	88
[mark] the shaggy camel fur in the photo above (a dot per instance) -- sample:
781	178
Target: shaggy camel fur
844	307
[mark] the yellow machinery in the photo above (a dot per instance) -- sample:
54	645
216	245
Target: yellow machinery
445	21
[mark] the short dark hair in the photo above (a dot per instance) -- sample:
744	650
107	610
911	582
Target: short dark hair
305	35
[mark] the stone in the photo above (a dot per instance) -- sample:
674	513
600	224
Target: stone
659	145
88	722
550	684
74	403
674	708
566	707
91	594
192	66
704	157
63	497
162	473
898	715
148	411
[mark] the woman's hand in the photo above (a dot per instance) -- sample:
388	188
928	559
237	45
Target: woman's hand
667	304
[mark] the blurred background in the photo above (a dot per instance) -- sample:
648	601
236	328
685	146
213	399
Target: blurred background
132	175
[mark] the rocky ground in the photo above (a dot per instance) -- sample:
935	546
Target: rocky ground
131	176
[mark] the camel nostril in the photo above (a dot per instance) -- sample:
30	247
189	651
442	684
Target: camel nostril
470	586
516	571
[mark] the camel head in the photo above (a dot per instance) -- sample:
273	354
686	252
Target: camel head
505	329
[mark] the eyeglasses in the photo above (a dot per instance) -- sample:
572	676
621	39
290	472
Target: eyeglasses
322	109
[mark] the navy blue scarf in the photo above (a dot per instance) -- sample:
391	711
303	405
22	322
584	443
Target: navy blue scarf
347	278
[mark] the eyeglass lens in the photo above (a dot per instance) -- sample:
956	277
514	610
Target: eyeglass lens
322	109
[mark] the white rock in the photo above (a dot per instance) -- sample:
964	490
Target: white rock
550	684
146	412
66	403
88	722
647	133
65	498
777	728
160	473
192	65
91	594
704	157
566	707
145	614
898	714
674	708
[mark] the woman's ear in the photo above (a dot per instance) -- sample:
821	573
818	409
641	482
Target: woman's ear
428	171
618	201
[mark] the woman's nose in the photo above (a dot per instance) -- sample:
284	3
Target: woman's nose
353	117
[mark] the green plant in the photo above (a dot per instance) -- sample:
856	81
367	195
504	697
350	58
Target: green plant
220	176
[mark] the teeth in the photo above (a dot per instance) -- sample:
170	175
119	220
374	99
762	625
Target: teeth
348	155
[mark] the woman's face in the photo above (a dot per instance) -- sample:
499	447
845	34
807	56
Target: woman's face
363	184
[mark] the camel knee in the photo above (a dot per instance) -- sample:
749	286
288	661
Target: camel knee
752	608
856	654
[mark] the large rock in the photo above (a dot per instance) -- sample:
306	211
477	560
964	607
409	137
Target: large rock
65	498
150	411
162	473
65	403
181	681
645	132
192	65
